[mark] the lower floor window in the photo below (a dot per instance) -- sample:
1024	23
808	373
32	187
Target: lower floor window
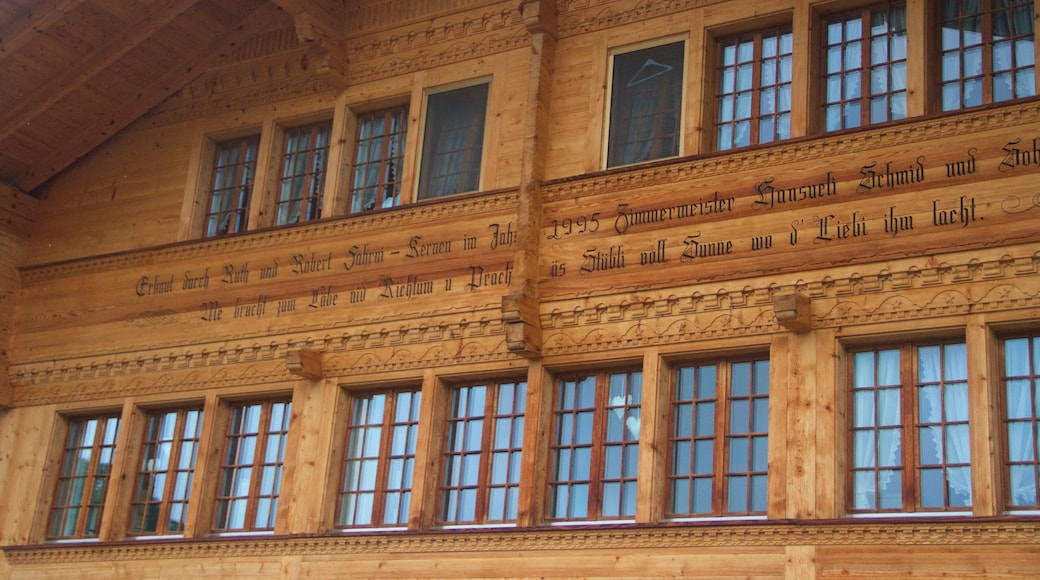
166	471
247	499
1022	416
86	467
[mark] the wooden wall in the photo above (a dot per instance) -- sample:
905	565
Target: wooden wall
895	231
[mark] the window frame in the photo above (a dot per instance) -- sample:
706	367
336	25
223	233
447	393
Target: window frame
617	101
722	436
175	467
389	167
254	494
245	178
911	427
493	414
1032	419
105	441
625	478
380	490
313	184
472	166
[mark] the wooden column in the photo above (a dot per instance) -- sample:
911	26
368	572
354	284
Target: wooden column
984	417
17	215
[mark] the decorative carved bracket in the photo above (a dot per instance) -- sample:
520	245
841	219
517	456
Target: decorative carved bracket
321	25
793	311
521	323
304	362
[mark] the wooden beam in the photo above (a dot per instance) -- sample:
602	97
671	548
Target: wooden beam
304	362
33	22
164	85
321	24
37	102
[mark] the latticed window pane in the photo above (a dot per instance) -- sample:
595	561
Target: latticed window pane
1022	415
753	98
304	166
378	159
234	169
166	472
379	459
86	467
646	104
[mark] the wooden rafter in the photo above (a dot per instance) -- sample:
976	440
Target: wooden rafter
42	98
39	18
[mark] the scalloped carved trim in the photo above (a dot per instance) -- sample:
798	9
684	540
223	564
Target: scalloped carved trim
472	205
926	533
582	16
903	134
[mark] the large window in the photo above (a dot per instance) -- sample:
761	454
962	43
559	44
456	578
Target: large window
596	446
166	471
910	449
719	444
987	53
646	104
754	88
247	499
86	466
234	168
865	67
453	142
379	459
482	454
303	174
1022	416
378	159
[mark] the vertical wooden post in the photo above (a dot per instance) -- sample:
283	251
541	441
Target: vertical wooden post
425	478
201	507
653	439
305	490
984	417
535	459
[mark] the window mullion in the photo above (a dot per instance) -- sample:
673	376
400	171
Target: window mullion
910	427
723	382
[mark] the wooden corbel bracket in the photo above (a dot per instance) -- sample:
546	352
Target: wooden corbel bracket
304	362
793	311
520	320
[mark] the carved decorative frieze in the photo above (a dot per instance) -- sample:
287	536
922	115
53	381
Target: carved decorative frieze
581	16
950	533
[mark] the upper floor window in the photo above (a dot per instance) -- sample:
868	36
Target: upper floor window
453	141
753	97
596	447
379	459
251	478
987	53
719	444
378	159
86	467
1022	415
303	174
166	471
646	104
865	67
234	168
910	448
482	454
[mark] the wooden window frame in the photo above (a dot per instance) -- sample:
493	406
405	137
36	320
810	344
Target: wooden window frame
724	398
565	443
310	178
666	116
502	412
382	490
238	191
910	426
388	165
783	35
986	73
181	441
232	466
1030	419
865	68
470	152
106	435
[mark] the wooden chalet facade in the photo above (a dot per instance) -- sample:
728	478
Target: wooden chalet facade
480	288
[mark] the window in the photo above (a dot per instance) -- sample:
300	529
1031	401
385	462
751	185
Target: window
1022	415
86	466
378	159
379	460
910	408
719	445
482	465
986	51
596	447
234	167
247	499
754	89
453	142
646	104
164	477
865	78
303	174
